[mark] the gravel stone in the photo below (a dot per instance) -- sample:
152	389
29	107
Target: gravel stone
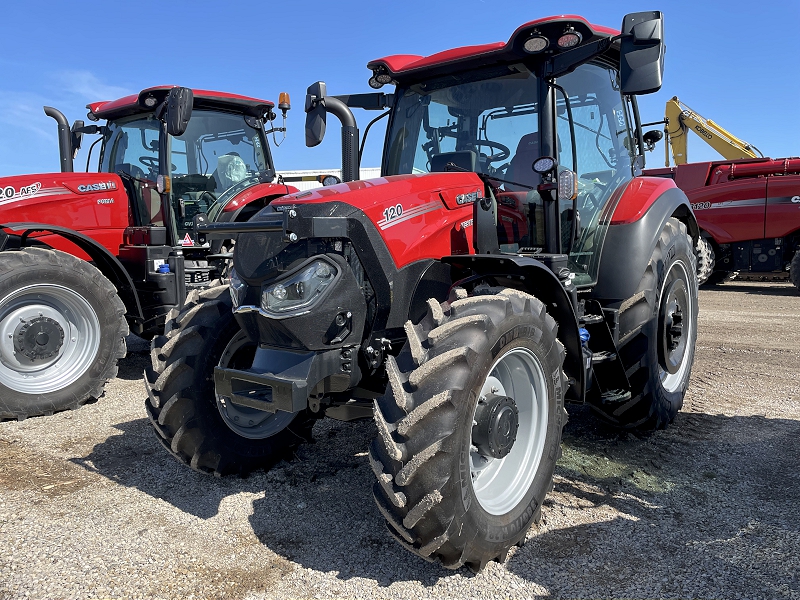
91	506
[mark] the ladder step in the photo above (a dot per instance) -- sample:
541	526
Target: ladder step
591	319
603	356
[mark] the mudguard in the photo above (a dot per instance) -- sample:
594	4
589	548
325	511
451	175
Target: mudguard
629	243
107	263
538	280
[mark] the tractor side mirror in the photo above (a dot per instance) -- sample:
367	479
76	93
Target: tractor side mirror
651	138
179	110
315	113
642	52
76	137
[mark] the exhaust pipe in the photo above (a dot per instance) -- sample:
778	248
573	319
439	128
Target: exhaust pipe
318	103
350	170
64	141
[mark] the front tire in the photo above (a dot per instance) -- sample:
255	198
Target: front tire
658	331
192	422
62	331
456	484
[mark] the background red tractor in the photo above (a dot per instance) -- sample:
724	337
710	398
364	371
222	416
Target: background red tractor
510	259
86	256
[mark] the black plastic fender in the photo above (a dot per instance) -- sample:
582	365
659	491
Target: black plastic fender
628	247
107	263
532	276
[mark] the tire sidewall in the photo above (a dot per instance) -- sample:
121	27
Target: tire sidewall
515	332
678	250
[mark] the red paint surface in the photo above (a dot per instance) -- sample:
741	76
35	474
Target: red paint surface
107	106
400	63
783	217
433	229
736	200
58	202
638	196
256	192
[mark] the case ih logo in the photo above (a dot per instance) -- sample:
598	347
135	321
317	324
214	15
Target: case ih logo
468	198
97	187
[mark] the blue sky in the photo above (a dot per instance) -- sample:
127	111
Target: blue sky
735	62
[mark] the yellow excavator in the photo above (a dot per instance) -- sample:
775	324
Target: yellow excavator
679	119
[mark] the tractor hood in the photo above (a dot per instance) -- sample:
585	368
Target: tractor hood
417	217
381	191
79	201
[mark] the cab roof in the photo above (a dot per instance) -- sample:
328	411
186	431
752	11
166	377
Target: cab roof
402	66
135	103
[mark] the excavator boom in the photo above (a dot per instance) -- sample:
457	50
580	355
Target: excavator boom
679	119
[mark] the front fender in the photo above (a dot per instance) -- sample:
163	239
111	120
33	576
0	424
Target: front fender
532	276
107	263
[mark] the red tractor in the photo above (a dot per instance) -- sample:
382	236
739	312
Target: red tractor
510	259
86	256
748	211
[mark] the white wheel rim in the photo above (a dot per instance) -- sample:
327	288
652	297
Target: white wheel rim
75	318
500	484
673	382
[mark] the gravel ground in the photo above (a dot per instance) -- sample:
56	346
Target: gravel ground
92	507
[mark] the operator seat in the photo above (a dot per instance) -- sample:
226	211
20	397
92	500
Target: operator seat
520	168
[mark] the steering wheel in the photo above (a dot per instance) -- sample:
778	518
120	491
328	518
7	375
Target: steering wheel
502	155
151	162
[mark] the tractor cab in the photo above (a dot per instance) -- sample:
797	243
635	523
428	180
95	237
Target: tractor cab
222	151
548	120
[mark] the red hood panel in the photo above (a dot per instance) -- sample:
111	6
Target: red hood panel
79	201
417	216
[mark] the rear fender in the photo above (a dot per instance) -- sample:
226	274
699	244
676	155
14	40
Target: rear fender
107	263
264	192
531	276
629	245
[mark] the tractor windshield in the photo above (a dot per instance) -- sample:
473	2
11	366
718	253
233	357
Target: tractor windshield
219	155
488	123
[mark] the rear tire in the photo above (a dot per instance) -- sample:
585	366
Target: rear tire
191	422
426	456
650	327
794	270
705	260
62	331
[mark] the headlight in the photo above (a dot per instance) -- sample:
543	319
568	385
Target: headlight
238	289
300	290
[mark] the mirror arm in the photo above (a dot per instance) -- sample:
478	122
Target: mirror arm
569	61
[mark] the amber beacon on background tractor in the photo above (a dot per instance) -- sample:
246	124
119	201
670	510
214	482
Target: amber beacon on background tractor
510	258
